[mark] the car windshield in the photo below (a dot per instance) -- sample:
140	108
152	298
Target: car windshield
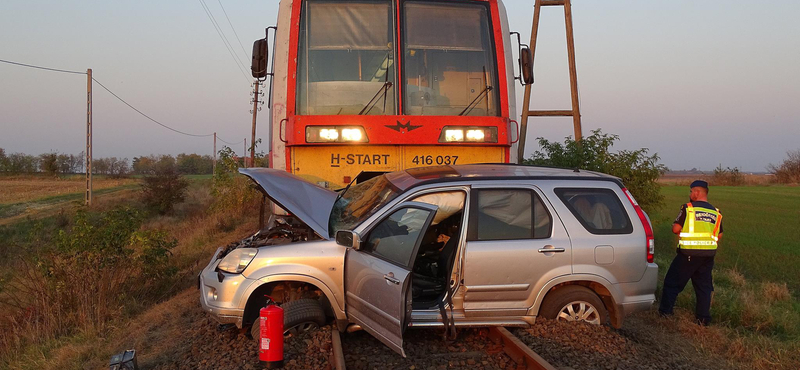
359	202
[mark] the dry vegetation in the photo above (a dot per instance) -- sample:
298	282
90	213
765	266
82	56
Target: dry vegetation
39	316
18	189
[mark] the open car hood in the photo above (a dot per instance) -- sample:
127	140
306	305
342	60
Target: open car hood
308	202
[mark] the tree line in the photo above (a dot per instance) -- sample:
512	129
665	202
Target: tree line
61	164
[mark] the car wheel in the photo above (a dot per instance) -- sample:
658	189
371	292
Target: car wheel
300	316
574	303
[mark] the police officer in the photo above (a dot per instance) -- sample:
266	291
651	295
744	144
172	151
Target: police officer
699	226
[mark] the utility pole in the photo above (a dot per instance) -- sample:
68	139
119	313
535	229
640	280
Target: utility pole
575	112
215	154
253	137
244	154
88	196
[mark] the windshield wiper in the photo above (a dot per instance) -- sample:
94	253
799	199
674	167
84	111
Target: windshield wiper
341	193
477	99
383	90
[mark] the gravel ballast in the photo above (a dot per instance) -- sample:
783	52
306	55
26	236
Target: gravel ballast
426	349
210	349
584	346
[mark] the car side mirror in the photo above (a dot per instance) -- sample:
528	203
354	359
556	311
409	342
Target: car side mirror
348	238
526	65
260	56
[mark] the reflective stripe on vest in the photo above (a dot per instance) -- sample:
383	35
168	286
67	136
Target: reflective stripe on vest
702	233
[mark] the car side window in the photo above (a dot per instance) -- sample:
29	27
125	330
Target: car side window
598	210
508	214
395	237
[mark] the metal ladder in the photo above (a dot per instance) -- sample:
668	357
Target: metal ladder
575	112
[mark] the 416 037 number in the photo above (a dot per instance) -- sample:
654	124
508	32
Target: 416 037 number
429	160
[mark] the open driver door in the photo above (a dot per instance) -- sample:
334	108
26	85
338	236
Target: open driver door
378	269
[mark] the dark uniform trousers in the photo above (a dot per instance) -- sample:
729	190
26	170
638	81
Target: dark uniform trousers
683	268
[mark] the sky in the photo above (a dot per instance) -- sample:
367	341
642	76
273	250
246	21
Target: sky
701	83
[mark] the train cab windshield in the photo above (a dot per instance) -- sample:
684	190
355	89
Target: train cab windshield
346	57
347	63
448	60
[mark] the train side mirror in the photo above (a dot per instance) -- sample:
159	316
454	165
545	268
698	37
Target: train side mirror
260	57
526	65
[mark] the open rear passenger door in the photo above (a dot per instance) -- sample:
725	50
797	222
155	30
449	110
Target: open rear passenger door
378	272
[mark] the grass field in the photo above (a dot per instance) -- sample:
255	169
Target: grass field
756	305
21	189
39	196
762	231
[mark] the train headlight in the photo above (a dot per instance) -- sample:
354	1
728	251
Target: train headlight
475	135
454	135
457	134
328	134
335	134
352	134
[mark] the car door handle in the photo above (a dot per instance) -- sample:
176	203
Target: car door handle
390	278
551	250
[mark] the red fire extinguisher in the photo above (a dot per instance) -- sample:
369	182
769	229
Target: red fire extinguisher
271	336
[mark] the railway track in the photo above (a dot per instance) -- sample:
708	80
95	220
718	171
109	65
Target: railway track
492	348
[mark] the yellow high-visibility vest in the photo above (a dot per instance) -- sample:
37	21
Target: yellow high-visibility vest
700	229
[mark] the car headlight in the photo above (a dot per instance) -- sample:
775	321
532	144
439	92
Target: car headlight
336	134
235	262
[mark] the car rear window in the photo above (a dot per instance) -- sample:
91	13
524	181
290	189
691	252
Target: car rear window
598	210
509	214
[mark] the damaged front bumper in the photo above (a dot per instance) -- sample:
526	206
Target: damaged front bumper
223	295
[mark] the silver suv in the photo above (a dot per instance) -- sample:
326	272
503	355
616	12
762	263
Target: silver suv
446	247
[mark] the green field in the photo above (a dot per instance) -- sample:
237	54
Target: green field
758	254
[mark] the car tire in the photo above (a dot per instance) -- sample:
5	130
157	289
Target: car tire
300	316
574	303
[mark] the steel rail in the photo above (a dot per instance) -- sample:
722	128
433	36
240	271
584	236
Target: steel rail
517	350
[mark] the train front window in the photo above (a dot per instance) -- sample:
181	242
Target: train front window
448	62
346	58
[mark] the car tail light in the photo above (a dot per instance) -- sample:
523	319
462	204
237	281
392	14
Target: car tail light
648	229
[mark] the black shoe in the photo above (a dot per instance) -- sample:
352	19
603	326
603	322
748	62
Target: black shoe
664	314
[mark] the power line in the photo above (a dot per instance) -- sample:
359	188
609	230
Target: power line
236	60
234	30
44	68
236	143
224	36
146	116
119	98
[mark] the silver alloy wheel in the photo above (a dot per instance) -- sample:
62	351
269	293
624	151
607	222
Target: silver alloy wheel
579	311
301	328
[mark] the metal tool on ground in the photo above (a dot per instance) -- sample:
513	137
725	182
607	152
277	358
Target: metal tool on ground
270	348
124	361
